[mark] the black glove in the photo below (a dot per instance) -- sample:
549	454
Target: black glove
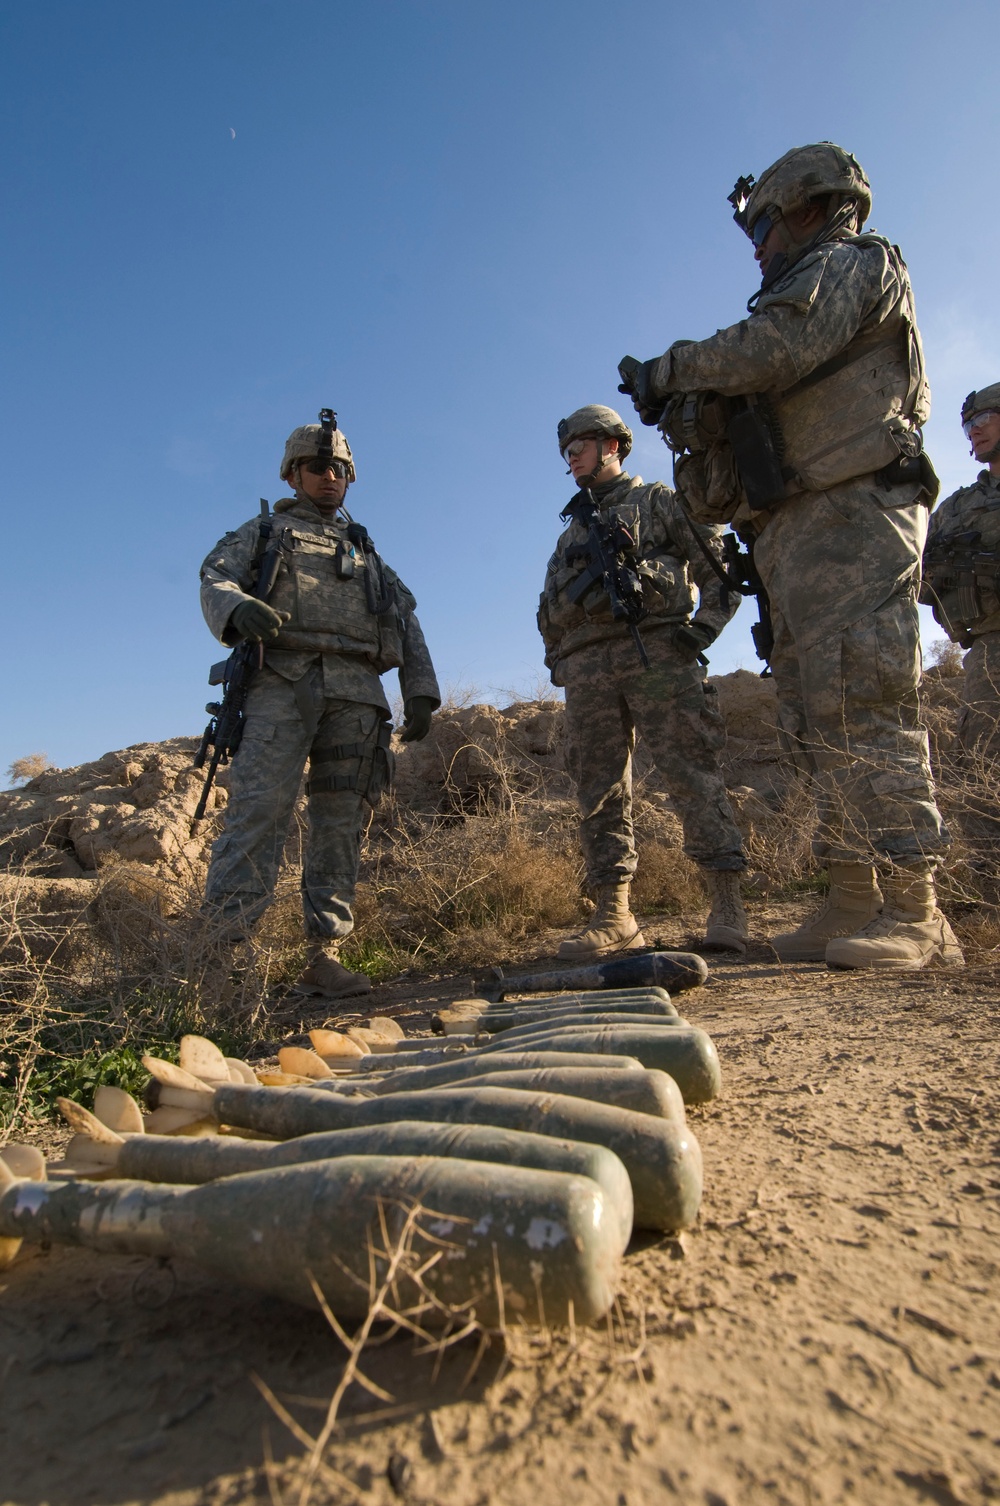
637	381
692	637
417	713
255	619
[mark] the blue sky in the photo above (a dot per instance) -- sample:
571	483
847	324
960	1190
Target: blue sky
447	220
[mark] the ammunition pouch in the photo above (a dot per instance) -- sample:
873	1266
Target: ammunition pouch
730	452
904	470
758	449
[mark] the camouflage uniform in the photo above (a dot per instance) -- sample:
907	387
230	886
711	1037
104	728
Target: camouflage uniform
610	696
318	698
962	584
840	561
802	426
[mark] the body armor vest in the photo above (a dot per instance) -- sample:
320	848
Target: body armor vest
859	411
321	584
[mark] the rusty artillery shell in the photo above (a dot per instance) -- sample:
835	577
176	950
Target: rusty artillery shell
684	1052
413	1080
642	1091
497	1018
663	1160
573	1020
163	1158
547	1235
673	971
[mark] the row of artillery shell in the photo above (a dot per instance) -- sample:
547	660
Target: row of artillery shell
540	1184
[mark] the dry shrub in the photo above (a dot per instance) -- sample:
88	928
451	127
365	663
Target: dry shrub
666	880
778	837
28	767
459	892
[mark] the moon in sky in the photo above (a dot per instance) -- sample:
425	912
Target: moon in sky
232	133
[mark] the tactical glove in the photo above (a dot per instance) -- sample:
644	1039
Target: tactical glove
255	619
637	381
692	637
417	713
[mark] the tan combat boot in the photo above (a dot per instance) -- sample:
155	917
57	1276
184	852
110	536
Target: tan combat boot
726	929
853	899
612	927
910	933
326	978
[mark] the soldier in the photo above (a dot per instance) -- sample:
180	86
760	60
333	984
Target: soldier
609	694
336	620
802	424
962	584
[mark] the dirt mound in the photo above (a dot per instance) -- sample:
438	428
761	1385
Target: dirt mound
133	806
136	805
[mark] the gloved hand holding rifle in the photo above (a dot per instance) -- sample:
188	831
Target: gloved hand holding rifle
258	624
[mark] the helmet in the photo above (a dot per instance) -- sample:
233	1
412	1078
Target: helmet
307	442
977	402
801	175
595	419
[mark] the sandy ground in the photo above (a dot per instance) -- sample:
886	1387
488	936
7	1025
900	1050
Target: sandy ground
828	1333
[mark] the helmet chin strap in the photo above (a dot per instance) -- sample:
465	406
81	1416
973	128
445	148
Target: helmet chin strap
990	455
588	480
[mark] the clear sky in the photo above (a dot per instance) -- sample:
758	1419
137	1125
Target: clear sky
448	220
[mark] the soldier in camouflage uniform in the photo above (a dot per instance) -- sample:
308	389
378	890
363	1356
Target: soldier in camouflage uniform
610	695
336	620
962	584
802	425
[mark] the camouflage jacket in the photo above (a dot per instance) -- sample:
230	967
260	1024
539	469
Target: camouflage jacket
329	606
834	348
673	570
962	561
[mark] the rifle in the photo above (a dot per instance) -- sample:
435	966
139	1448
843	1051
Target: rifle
739	573
958	563
235	674
744	577
609	554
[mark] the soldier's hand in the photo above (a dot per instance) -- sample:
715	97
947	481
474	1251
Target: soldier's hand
692	637
637	380
417	713
255	619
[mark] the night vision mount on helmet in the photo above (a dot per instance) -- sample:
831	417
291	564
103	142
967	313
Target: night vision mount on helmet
322	441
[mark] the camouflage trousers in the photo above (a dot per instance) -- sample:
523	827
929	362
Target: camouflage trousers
840	569
610	697
979	759
346	743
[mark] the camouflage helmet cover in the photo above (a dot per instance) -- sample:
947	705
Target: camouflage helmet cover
978	402
595	418
801	175
305	443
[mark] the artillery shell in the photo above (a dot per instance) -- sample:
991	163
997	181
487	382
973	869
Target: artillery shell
663	1160
686	1053
154	1158
671	970
644	1092
518	1245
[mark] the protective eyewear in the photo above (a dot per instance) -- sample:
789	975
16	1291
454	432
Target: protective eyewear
576	447
978	419
320	467
761	229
